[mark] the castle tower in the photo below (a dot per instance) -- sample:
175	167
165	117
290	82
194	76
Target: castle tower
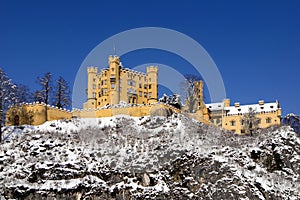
199	93
152	74
91	90
114	78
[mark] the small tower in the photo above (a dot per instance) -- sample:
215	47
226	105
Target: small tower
152	75
91	90
198	86
114	78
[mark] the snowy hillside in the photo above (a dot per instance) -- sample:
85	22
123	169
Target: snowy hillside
147	158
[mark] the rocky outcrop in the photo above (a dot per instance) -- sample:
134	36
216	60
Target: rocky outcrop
149	158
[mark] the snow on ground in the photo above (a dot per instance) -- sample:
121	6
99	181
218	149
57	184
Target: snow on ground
147	157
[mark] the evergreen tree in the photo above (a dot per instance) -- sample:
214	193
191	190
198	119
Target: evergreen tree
7	97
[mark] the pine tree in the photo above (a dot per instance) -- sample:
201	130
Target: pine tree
7	97
62	93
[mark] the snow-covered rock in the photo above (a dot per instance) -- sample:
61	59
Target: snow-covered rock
147	158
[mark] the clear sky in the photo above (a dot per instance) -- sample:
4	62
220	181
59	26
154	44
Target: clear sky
255	44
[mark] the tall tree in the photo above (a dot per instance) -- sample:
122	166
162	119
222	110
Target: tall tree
7	97
190	92
250	122
23	94
62	93
43	95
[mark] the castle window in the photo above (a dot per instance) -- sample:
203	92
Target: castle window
99	86
232	123
149	86
140	85
140	93
150	94
258	120
94	94
271	106
131	83
112	86
145	94
149	79
99	103
94	86
102	82
145	86
94	80
112	69
99	94
242	122
268	120
103	91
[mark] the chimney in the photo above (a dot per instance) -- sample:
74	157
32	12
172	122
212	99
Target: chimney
226	102
237	104
261	102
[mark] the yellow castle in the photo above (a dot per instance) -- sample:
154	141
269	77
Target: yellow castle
232	118
116	83
139	92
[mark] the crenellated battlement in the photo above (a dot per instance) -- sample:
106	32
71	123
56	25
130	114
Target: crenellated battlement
152	69
113	58
92	69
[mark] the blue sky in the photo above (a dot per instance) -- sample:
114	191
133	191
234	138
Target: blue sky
255	44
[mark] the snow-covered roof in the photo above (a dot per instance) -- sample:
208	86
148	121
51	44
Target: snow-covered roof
215	106
266	107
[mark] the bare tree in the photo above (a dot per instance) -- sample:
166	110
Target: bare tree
250	122
62	93
7	97
190	92
23	94
46	84
43	95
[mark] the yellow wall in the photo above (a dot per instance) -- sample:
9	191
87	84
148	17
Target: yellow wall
135	111
238	127
39	113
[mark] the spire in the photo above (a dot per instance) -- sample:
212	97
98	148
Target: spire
115	49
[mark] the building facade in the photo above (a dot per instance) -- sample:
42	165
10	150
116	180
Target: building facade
232	117
116	83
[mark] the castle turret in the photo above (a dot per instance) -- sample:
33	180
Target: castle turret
152	74
91	90
199	92
114	78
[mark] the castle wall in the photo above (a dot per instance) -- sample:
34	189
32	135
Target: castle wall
36	111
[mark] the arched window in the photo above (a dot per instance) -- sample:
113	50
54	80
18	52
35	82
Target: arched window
268	120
